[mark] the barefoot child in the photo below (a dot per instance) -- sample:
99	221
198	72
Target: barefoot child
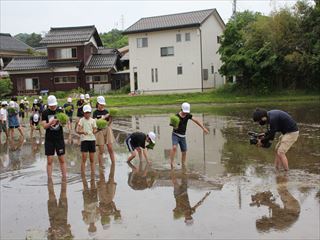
179	134
54	140
34	124
136	142
87	128
104	136
3	119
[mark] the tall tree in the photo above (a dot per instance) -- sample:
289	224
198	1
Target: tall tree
114	39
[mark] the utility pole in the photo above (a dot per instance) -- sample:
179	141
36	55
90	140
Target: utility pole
234	8
122	22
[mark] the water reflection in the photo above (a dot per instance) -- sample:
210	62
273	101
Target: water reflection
180	192
58	213
107	191
141	177
90	212
280	218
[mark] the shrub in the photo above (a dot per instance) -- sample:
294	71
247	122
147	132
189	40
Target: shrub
5	86
60	94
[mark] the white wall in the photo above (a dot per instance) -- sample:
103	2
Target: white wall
186	54
210	29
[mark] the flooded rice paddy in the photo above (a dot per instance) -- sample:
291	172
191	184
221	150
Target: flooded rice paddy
228	190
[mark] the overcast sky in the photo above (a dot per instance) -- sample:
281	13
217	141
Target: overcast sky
26	16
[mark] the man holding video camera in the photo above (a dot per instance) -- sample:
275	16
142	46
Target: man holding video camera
278	121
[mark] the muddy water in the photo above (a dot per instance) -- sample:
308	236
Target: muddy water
227	190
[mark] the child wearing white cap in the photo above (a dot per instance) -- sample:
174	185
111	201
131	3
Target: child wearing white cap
136	142
34	122
104	136
179	134
54	139
87	128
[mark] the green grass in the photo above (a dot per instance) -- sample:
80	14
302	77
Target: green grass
212	97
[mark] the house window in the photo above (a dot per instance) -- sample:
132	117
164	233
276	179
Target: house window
205	74
212	69
97	78
167	51
65	53
142	42
65	79
187	37
152	76
218	39
32	83
156	73
178	37
179	70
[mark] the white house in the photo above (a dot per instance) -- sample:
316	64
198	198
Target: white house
176	53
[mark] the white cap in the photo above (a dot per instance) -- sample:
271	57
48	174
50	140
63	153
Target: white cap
87	95
87	108
36	117
25	98
21	101
4	103
81	96
101	100
11	104
185	107
52	101
152	137
69	99
40	97
35	101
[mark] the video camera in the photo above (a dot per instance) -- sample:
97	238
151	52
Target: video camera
254	137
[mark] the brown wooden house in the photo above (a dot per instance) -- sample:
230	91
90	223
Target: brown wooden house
76	58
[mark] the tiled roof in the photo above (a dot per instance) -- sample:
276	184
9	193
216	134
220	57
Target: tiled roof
27	63
62	63
9	43
71	35
99	61
172	21
103	50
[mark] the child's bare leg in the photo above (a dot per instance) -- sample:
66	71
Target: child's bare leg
183	157
132	156
92	165
63	166
111	152
173	154
20	131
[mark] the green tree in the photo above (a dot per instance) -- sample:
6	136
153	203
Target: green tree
5	86
32	39
114	39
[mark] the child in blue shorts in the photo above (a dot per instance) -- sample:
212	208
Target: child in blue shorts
179	133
